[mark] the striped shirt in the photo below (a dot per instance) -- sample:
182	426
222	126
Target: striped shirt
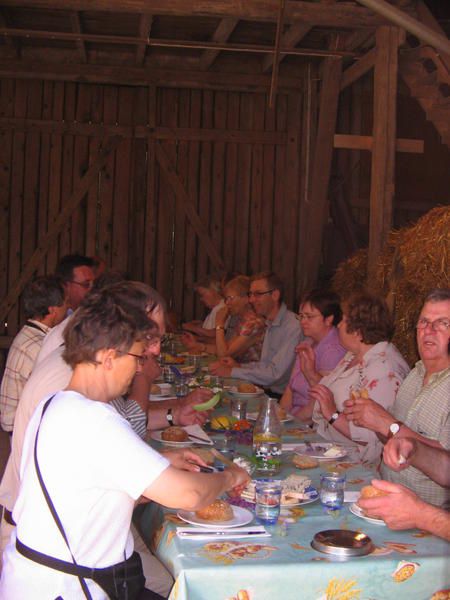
426	410
21	358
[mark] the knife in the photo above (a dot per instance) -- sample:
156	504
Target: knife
211	533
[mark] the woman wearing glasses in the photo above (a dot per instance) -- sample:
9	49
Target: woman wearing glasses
371	367
93	467
319	314
242	338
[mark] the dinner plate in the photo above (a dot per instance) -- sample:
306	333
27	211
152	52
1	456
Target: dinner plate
254	415
156	435
241	516
310	490
166	391
358	512
234	391
318	449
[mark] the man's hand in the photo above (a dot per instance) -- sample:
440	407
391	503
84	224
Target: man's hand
365	412
189	340
240	480
223	366
185	414
186	460
324	396
399	509
398	452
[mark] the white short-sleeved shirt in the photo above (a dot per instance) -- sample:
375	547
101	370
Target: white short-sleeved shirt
94	467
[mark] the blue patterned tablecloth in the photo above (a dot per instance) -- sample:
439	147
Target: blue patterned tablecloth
408	565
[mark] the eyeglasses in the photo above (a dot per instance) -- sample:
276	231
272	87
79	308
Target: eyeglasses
437	325
84	284
306	316
229	298
259	294
141	358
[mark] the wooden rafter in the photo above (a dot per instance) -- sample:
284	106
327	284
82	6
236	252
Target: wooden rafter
365	142
358	69
290	38
276	55
57	226
145	28
221	34
341	14
76	27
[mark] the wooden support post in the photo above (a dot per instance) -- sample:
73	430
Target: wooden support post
321	168
384	142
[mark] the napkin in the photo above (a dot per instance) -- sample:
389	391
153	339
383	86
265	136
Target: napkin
197	431
231	533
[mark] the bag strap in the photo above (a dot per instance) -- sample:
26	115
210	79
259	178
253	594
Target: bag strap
51	507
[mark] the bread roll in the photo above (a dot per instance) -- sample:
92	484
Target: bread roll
304	462
219	510
246	388
369	491
174	434
155	390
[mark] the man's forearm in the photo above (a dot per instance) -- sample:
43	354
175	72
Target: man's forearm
433	460
435	520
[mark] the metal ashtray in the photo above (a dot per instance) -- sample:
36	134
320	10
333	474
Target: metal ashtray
343	543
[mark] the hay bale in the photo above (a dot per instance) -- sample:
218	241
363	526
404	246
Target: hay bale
350	276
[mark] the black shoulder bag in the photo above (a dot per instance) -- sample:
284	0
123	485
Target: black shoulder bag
122	581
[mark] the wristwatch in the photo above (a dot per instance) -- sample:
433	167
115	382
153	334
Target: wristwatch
393	429
334	417
169	416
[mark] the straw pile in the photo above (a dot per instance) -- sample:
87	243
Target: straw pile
414	261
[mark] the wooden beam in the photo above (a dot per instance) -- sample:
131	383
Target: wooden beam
365	142
188	206
291	38
341	14
128	75
426	16
76	27
358	69
382	186
145	27
143	131
57	226
221	34
14	44
321	168
276	55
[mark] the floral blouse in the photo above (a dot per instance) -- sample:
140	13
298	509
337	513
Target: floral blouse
248	325
381	372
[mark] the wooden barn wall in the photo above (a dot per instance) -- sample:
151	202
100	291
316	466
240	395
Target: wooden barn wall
246	194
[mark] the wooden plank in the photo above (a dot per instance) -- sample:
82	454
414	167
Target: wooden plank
269	174
128	75
343	14
6	137
256	207
93	195
145	27
218	173
120	209
65	239
221	34
278	253
321	167
106	190
199	226
143	131
55	174
151	220
382	186
75	22
291	38
57	226
243	188
365	142
359	68
231	174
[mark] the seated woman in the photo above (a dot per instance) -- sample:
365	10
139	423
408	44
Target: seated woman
210	293
244	335
318	355
93	466
372	366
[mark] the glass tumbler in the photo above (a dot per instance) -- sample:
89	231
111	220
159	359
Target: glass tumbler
267	501
332	488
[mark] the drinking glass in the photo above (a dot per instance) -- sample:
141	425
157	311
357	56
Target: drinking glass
332	487
239	408
267	501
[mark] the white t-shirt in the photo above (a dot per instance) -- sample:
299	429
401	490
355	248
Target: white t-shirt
52	340
210	320
94	467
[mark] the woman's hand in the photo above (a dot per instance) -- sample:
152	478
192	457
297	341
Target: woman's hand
222	316
365	412
324	396
189	340
240	480
307	358
186	460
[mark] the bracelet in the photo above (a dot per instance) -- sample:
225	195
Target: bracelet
220	328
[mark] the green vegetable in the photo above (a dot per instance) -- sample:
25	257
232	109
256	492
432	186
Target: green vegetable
211	403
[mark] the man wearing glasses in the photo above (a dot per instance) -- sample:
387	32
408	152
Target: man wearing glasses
422	407
77	274
282	335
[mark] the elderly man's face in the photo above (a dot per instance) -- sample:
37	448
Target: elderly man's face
432	344
80	284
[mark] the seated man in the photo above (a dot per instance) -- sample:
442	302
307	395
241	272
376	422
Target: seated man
399	507
422	407
44	306
281	337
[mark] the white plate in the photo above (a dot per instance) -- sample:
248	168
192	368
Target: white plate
254	415
357	511
241	516
318	449
234	391
166	391
156	435
313	496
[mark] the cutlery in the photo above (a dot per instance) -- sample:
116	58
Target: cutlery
218	533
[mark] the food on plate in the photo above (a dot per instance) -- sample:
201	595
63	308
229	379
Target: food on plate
209	404
369	491
242	425
404	571
219	510
174	434
205	454
246	388
332	452
441	595
244	463
222	422
293	490
304	462
155	389
170	358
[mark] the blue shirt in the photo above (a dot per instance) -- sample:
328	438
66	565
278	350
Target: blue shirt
277	355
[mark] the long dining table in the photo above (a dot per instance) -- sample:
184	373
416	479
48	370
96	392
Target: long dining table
404	564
